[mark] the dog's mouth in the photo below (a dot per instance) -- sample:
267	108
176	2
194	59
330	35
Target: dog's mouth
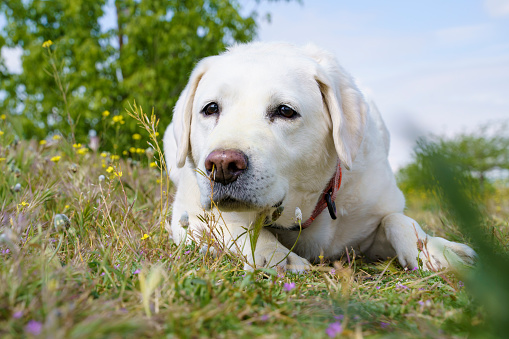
229	204
236	197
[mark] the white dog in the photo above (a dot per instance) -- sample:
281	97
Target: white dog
266	128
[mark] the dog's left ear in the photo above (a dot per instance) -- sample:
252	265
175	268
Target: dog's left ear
182	113
345	103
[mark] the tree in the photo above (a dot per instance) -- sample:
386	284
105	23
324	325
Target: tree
477	154
147	58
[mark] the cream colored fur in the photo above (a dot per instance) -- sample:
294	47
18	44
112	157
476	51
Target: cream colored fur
293	160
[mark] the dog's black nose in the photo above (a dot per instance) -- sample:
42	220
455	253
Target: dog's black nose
225	166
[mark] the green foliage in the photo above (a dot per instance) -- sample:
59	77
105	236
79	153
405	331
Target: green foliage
147	58
488	281
475	154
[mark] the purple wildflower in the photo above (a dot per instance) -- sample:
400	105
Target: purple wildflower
415	269
384	325
102	274
187	252
460	284
5	251
401	286
334	329
33	327
289	286
332	271
117	266
17	315
264	317
137	271
339	317
378	287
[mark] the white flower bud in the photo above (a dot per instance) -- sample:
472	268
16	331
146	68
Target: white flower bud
298	214
184	220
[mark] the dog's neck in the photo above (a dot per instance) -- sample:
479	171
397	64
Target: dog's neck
326	200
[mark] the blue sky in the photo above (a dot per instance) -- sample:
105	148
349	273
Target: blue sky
431	66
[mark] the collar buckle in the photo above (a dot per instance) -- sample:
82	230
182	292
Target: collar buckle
331	205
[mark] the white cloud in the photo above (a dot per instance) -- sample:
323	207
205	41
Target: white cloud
12	57
497	8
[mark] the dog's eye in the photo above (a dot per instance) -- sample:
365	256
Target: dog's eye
211	108
286	112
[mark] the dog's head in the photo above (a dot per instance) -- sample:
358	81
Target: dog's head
267	123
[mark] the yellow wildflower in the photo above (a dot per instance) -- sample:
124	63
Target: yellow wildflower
3	117
76	145
140	150
56	158
320	257
132	150
24	203
145	236
125	152
118	174
42	142
3	159
56	137
115	157
136	136
153	164
157	134
66	206
47	43
118	118
1	133
82	150
104	154
109	169
106	113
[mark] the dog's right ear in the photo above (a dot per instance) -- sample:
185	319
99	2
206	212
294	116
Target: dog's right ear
182	113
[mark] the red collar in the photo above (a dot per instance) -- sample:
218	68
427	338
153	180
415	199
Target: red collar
327	199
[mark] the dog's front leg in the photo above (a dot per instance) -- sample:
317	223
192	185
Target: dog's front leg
264	251
402	236
269	252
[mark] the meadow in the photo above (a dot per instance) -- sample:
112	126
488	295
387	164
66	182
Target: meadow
85	254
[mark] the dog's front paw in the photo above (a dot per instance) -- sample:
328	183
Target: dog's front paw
438	253
277	258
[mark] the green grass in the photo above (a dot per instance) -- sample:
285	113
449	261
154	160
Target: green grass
100	276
